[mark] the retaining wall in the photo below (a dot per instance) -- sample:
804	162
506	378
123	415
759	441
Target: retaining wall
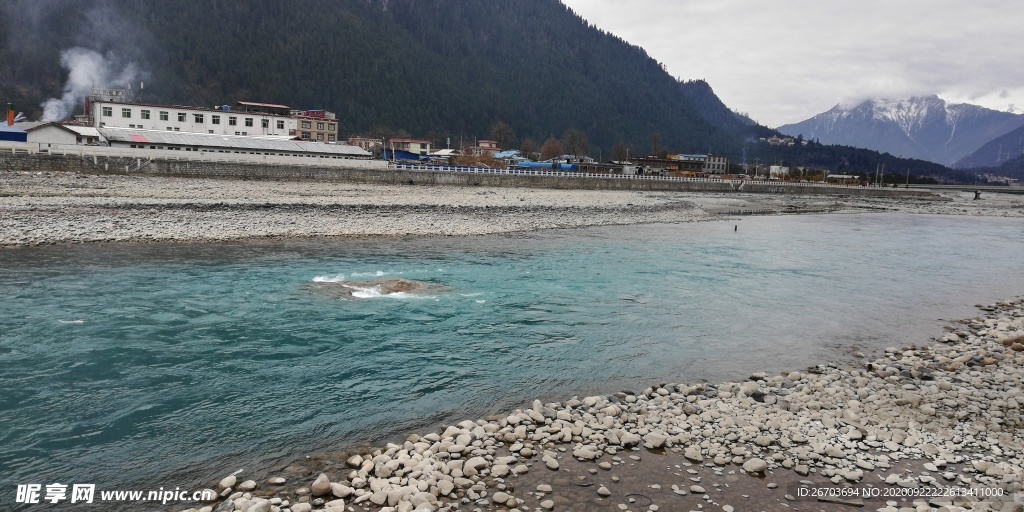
364	171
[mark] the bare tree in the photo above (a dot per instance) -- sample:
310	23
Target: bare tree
620	152
656	147
552	148
503	134
575	141
528	148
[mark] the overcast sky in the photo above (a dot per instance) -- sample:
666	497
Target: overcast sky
782	62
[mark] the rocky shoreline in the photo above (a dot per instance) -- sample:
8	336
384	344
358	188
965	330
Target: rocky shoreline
59	208
935	427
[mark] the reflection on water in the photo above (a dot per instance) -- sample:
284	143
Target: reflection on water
167	363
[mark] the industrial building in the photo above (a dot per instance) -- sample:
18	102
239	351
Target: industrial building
221	121
109	108
228	144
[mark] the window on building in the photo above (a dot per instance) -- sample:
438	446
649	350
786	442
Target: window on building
248	121
332	127
126	113
266	123
306	125
215	119
245	133
144	114
198	118
209	131
305	135
177	129
330	138
163	115
181	117
108	112
280	124
319	126
238	133
232	121
320	137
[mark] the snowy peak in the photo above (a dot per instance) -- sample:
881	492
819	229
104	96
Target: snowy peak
910	115
925	127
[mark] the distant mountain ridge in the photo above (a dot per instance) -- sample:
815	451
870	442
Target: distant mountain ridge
924	127
997	152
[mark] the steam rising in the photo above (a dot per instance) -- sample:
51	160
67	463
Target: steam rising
87	69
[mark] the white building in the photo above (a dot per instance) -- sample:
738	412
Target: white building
222	121
66	134
716	165
162	142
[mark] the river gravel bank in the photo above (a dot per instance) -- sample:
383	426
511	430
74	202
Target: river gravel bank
52	208
929	427
72	208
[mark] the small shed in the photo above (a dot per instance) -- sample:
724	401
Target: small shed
57	133
9	133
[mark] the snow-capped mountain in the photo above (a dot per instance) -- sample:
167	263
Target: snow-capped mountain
925	127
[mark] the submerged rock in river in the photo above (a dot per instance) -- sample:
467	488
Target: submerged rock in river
375	288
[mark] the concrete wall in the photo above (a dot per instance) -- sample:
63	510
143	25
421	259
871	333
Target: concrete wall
369	171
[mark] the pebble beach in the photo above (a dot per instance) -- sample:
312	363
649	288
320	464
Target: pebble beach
55	208
935	426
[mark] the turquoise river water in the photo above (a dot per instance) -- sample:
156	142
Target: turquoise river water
138	366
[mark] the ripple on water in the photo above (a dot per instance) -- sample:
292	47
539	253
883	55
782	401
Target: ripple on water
179	361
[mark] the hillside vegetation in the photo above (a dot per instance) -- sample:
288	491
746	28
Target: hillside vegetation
438	69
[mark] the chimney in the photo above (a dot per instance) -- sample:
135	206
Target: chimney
10	115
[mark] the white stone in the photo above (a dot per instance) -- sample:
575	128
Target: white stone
755	466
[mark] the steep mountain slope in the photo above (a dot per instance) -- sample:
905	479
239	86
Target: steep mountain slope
436	68
924	127
710	106
995	152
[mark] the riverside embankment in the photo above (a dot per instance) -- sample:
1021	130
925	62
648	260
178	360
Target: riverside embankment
58	207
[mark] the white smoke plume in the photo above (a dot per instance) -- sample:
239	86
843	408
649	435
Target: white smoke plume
86	69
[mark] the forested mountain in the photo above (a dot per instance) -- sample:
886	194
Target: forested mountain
995	152
1012	168
710	106
437	69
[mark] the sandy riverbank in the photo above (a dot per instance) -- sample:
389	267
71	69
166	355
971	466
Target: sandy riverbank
931	427
78	208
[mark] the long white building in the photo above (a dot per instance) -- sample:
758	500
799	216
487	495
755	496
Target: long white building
160	142
142	116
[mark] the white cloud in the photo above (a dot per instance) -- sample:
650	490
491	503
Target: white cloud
784	62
